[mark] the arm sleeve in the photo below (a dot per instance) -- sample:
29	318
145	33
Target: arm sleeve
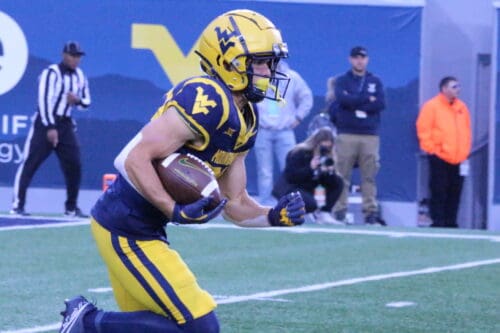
346	99
468	131
425	122
85	99
297	169
46	94
304	99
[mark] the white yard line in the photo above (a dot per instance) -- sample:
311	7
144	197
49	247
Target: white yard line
314	287
328	285
76	223
36	329
100	290
218	299
400	304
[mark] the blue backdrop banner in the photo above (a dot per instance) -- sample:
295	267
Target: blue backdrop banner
136	50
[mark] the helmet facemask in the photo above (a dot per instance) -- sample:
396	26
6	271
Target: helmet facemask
272	87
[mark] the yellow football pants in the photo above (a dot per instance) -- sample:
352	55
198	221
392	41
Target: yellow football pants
149	275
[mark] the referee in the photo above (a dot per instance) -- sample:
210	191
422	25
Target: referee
61	87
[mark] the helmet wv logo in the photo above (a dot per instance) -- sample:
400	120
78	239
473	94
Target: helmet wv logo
224	38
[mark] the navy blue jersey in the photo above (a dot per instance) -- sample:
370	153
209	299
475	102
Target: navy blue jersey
207	107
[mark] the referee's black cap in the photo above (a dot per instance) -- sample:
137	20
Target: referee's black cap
73	48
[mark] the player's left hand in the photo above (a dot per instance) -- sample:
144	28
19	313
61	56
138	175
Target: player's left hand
288	212
197	212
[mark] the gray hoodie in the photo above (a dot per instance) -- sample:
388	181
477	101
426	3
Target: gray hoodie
298	103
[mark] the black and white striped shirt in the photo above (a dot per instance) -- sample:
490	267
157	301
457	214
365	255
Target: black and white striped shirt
54	84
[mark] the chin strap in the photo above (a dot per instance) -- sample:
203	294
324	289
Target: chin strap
253	95
256	92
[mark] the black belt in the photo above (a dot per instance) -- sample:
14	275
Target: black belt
62	118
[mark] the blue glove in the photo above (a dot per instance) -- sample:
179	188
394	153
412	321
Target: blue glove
289	211
197	212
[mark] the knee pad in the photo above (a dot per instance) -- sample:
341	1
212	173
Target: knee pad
206	324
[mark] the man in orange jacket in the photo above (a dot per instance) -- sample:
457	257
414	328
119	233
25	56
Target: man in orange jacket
443	128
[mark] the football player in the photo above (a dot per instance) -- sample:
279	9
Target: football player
211	117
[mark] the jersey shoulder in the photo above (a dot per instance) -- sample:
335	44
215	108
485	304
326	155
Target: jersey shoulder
203	102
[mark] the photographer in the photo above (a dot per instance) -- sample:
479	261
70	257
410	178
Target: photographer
308	165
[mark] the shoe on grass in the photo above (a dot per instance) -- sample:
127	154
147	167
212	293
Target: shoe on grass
76	309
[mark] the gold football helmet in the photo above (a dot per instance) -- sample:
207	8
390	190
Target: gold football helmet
230	43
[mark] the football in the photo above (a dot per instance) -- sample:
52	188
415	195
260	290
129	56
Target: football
187	178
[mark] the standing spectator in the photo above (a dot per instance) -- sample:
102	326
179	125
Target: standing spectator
61	87
277	121
444	132
359	101
308	165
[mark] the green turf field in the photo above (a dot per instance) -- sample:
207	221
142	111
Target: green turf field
305	279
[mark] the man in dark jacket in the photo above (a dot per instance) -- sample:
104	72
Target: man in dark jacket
360	99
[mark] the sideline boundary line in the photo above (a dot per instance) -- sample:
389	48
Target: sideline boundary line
296	230
347	230
314	287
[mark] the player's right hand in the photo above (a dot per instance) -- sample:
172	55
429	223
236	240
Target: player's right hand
53	137
197	212
72	98
289	211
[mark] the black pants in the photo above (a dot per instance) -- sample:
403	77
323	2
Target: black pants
445	185
333	185
36	151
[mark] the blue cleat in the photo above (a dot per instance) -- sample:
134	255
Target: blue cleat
76	309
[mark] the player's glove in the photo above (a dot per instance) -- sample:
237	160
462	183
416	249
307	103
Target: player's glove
197	212
289	211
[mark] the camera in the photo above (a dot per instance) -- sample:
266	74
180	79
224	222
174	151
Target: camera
325	163
325	160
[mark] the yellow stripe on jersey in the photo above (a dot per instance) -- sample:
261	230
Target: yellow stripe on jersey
148	275
222	157
245	133
163	108
193	124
